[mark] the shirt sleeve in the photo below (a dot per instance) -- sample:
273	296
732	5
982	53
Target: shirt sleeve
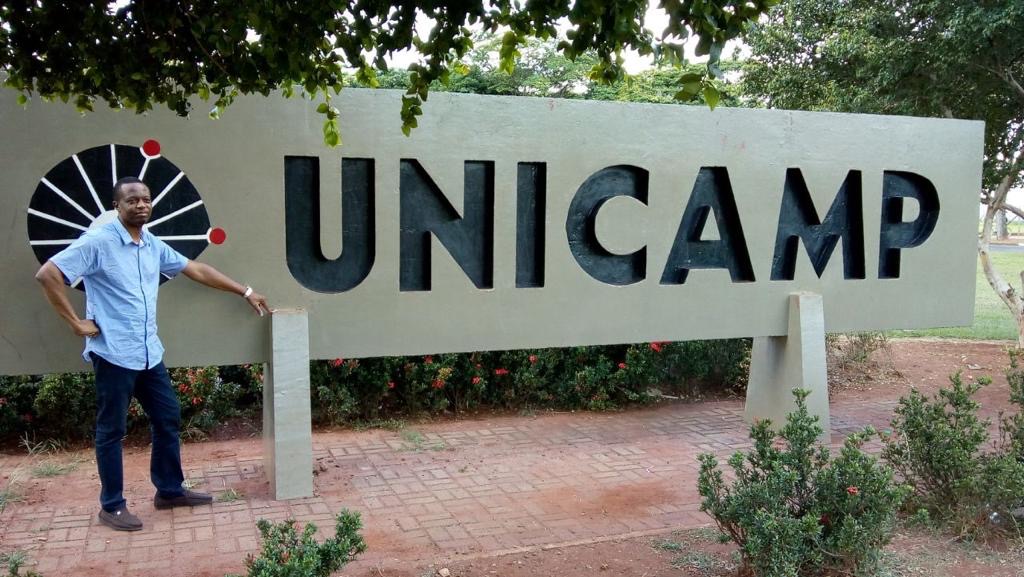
79	259
171	261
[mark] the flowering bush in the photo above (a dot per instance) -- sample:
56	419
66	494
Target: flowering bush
793	510
17	395
581	377
347	390
206	398
63	405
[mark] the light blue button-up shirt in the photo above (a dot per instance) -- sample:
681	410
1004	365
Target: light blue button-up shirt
121	282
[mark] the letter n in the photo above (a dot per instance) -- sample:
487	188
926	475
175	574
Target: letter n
425	211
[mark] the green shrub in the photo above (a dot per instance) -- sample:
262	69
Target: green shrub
366	390
937	446
17	395
793	511
690	368
207	398
1012	427
285	552
65	406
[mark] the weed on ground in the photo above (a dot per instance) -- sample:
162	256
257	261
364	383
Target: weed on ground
414	440
229	496
52	468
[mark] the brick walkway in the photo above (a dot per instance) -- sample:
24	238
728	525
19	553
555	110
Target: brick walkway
431	492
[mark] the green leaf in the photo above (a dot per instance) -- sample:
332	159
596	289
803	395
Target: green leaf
22	99
712	96
323	108
332	139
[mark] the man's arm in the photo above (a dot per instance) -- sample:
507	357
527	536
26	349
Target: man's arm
52	281
211	277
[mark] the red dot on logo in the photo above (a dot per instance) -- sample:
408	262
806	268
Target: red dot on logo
217	235
151	148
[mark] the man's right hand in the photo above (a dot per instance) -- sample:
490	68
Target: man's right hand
86	328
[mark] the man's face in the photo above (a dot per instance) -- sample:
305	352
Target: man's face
134	205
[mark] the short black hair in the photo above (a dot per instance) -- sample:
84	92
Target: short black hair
122	182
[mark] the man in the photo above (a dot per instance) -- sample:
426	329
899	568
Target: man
121	264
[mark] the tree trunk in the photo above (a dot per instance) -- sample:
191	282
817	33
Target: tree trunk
1010	297
1000	223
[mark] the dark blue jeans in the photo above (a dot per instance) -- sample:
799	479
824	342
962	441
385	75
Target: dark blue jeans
115	386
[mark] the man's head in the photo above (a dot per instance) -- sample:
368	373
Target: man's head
132	201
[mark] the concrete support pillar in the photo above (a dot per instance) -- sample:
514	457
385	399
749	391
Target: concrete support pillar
795	361
287	423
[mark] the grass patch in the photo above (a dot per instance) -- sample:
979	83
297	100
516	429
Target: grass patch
229	496
386	424
12	491
50	468
414	440
696	560
13	561
44	447
940	555
703	564
667	545
992	320
10	494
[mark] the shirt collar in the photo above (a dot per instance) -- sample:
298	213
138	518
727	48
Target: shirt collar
126	237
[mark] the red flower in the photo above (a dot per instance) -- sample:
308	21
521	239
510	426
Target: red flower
622	365
428	359
183	387
500	372
391	384
533	359
437	384
476	380
656	347
196	400
853	490
824	520
3	401
337	362
478	365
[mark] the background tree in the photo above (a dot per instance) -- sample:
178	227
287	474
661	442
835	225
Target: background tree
946	58
544	71
146	53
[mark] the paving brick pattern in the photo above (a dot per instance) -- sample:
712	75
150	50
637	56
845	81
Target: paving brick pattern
455	489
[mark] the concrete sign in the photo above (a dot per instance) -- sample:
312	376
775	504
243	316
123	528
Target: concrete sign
501	223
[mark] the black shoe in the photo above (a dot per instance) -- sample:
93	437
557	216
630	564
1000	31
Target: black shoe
186	499
120	520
